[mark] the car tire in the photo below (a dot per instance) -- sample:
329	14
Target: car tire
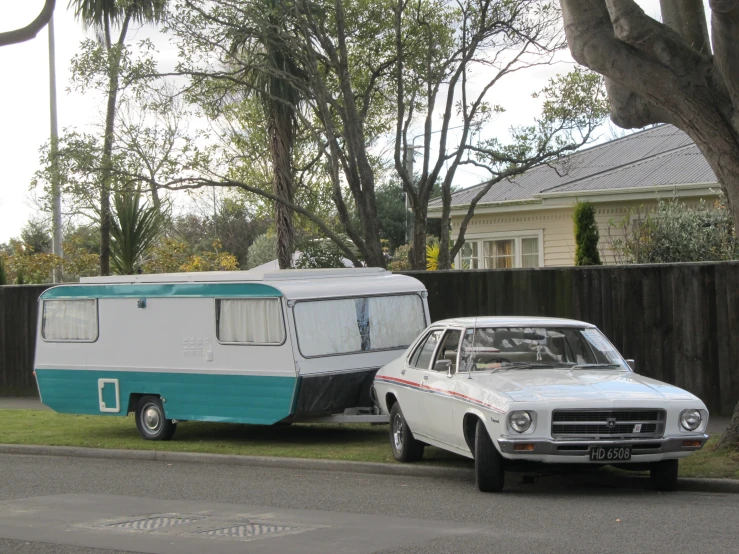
489	464
663	475
404	445
151	421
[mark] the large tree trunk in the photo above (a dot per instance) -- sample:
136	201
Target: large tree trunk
731	435
418	245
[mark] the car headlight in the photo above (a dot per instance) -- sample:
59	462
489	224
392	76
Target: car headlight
520	421
690	419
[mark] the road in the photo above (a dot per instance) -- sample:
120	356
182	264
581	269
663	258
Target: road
88	506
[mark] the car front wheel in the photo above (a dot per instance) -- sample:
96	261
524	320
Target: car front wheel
489	468
404	445
663	475
151	421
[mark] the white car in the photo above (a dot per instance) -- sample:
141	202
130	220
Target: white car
505	389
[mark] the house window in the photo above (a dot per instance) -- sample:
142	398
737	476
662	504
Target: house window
500	254
530	252
470	258
502	251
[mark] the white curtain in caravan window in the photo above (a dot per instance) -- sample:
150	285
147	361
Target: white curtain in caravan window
251	320
327	327
70	320
395	321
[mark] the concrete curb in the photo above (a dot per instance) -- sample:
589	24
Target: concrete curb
415	470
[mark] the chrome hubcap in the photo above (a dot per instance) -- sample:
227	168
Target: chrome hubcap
398	433
152	418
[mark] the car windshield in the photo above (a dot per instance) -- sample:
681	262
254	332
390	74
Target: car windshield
510	348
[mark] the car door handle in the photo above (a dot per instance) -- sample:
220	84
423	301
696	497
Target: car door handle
426	377
402	372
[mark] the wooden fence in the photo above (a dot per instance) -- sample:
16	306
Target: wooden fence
18	317
680	322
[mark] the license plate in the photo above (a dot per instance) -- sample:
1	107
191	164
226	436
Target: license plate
610	453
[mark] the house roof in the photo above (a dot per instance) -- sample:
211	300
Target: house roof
661	155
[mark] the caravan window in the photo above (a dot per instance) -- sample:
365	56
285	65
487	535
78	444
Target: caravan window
250	321
70	320
350	325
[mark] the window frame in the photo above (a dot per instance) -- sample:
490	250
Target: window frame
515	236
217	313
294	303
97	319
435	355
421	343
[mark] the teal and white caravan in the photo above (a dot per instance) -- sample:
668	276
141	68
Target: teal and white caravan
240	346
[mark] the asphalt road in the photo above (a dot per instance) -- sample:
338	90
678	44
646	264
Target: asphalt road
88	506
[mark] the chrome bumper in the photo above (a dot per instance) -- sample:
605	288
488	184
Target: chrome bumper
550	447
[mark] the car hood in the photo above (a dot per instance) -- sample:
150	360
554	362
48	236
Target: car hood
525	385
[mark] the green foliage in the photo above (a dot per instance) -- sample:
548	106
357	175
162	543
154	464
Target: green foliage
135	229
401	258
319	253
20	278
586	235
3	274
673	232
262	250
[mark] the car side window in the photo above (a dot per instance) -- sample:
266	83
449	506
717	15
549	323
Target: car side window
421	358
449	349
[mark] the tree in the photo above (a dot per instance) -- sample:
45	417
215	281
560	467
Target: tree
668	72
32	29
586	235
262	250
134	230
103	15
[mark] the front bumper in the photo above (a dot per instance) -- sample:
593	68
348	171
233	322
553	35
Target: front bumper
559	450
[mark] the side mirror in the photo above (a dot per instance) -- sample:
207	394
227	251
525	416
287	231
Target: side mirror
632	364
443	366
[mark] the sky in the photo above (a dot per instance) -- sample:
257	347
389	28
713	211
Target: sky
24	99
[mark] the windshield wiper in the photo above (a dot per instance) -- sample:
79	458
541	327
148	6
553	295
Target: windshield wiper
524	365
593	366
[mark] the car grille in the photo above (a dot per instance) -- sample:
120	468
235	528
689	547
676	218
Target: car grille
608	424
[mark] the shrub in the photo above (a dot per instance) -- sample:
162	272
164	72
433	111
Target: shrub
673	232
586	235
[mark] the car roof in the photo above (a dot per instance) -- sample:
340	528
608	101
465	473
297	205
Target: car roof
512	321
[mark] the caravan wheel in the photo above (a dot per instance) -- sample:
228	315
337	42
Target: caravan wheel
151	421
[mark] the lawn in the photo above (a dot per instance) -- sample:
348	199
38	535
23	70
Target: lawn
356	442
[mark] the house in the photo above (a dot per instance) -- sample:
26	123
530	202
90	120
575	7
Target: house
527	221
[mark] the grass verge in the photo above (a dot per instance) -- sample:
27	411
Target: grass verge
352	442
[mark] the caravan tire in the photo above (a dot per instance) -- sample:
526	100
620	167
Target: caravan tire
406	448
151	420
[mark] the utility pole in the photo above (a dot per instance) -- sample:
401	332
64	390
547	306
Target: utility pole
56	201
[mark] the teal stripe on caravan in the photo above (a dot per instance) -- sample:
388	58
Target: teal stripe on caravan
156	290
255	399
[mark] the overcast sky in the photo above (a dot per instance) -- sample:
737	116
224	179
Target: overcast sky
24	99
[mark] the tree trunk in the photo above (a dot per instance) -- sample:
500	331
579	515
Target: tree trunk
418	245
731	435
107	157
281	144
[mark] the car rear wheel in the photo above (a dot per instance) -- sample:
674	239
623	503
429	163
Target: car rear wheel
404	445
663	475
489	467
151	421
